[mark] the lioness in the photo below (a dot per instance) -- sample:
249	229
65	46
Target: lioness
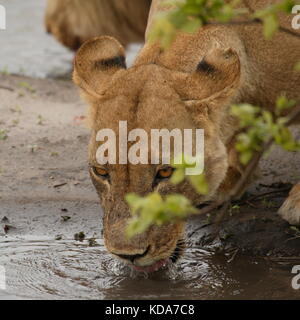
190	85
73	22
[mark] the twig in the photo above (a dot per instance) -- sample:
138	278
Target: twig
250	204
241	184
293	238
6	88
266	194
294	116
255	21
60	185
211	207
276	185
233	256
238	189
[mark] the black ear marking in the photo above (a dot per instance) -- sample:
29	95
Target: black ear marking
204	66
110	63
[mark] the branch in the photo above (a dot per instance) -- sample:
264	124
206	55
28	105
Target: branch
6	88
255	21
241	184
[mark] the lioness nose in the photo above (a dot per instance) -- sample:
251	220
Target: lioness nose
134	256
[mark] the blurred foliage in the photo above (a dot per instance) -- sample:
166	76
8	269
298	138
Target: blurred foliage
190	15
3	134
179	175
261	126
153	209
269	16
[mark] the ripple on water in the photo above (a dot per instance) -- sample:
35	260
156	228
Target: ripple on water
68	269
73	270
59	270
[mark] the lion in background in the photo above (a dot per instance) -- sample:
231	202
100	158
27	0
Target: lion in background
72	22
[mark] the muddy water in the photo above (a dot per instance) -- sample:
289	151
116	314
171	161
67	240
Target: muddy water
40	267
68	270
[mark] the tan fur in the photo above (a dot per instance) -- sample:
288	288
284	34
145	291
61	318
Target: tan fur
290	210
73	22
165	90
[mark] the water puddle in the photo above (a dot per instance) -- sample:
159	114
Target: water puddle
73	270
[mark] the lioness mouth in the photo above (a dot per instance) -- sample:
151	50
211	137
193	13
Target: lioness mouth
154	267
163	262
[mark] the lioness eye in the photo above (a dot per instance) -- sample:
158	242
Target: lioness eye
101	172
165	173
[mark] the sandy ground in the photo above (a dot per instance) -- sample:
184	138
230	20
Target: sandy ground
43	160
46	142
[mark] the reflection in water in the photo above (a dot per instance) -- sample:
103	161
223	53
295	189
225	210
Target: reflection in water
69	270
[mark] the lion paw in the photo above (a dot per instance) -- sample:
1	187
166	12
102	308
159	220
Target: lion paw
290	210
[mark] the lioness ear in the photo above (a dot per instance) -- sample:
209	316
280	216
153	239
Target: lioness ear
219	71
95	63
217	77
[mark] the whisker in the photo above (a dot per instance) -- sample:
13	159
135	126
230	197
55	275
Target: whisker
180	246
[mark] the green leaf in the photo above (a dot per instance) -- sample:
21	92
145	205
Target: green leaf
297	66
134	201
3	135
286	6
283	103
245	157
178	206
178	176
199	183
152	210
271	25
191	26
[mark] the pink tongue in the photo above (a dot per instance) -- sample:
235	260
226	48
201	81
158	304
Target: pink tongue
154	267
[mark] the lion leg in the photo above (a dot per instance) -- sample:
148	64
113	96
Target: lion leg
290	210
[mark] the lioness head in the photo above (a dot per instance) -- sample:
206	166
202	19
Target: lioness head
153	95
